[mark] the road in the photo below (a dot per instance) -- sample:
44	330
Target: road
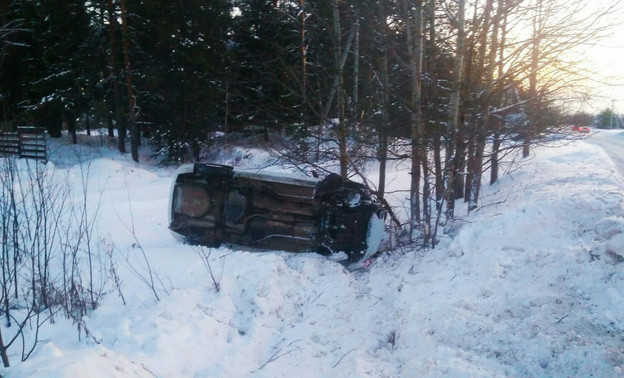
613	144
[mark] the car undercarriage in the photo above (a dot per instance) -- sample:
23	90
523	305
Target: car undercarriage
212	204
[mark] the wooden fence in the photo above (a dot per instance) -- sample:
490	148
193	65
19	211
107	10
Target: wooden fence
26	142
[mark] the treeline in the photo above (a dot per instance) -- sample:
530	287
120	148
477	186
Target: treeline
462	81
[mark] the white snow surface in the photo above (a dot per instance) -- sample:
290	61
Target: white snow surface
529	284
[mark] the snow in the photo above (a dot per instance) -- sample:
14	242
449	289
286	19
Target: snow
530	284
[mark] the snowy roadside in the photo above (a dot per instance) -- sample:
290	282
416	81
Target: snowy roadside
531	285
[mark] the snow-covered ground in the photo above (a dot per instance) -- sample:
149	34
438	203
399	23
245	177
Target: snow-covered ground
530	284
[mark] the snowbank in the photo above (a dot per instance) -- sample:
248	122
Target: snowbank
531	285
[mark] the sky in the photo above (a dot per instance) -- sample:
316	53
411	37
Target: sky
595	51
606	58
609	59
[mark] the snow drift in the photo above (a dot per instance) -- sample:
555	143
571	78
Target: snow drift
530	284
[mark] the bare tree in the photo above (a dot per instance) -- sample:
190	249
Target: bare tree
414	26
385	99
458	68
47	234
535	63
205	255
498	122
487	66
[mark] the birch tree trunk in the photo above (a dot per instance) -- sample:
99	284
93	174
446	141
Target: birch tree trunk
303	53
414	23
473	77
437	144
356	70
488	80
385	102
340	103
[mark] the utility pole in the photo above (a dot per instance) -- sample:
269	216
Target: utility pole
612	114
615	120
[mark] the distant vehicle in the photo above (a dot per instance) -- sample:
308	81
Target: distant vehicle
214	204
581	129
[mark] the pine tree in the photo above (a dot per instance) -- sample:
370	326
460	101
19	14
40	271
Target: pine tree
179	55
55	39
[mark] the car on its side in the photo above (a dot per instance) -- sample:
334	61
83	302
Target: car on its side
214	204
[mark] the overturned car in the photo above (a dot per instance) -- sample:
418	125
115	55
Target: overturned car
214	204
